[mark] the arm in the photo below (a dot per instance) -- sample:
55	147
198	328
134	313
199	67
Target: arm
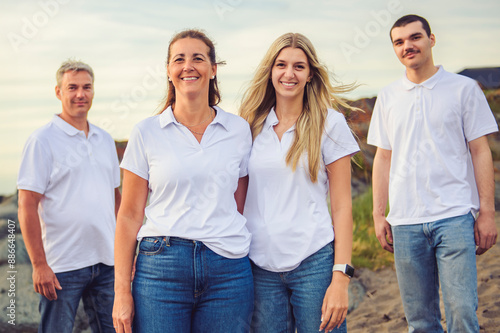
336	300
241	193
485	231
129	221
44	280
118	200
380	183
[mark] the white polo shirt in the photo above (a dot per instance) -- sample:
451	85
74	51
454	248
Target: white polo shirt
192	184
77	177
427	127
287	214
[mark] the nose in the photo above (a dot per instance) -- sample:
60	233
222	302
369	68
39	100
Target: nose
80	92
188	66
408	44
289	72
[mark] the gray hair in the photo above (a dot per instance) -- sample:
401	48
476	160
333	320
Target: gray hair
73	65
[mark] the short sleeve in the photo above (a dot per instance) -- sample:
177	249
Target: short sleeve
377	132
338	140
246	147
135	157
36	167
478	120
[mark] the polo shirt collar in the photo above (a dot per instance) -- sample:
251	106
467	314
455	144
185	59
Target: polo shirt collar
272	119
70	129
167	117
429	83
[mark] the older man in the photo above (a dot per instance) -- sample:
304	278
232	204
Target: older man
68	198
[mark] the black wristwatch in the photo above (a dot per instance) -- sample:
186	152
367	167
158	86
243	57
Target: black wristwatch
344	268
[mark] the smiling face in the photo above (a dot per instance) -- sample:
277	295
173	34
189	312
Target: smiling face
290	73
76	93
413	46
190	69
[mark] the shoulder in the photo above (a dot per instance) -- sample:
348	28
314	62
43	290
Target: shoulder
459	79
334	117
391	87
44	134
101	132
147	126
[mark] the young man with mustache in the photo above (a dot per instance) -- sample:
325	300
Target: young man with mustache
68	198
434	165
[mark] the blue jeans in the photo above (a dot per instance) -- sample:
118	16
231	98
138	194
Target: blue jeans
293	300
437	252
182	286
95	286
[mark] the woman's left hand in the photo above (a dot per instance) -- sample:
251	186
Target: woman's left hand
335	303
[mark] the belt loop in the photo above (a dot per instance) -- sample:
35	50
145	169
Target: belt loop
167	240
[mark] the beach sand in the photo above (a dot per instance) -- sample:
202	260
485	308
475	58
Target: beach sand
382	310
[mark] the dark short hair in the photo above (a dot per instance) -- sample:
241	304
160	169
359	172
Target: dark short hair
407	19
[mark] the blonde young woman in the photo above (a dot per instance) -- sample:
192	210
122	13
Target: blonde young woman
301	151
192	272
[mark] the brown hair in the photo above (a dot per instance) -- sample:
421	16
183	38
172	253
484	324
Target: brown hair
213	92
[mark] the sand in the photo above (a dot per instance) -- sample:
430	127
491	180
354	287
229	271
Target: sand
382	310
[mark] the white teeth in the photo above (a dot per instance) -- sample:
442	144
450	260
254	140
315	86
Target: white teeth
190	78
288	84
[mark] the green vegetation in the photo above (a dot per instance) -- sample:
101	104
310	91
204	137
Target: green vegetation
367	251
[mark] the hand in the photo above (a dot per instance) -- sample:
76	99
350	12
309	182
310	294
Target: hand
485	232
123	312
45	282
384	233
335	303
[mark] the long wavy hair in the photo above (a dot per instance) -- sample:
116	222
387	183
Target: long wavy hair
319	95
213	90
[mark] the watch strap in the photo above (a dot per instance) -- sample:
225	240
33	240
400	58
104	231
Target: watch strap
344	268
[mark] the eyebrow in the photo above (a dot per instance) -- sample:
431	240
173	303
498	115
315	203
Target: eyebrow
295	63
194	55
411	36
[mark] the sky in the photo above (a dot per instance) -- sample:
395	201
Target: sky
126	44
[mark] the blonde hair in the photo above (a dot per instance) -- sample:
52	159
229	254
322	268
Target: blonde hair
319	95
213	90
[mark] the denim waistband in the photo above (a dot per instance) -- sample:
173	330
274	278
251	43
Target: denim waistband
169	240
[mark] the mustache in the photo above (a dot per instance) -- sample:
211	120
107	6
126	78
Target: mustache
409	51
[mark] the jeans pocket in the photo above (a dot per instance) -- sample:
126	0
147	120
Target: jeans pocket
151	246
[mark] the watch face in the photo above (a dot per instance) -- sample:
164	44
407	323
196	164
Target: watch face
349	270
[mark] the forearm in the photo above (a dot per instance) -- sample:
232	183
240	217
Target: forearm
484	175
29	222
380	182
343	229
118	200
125	248
241	193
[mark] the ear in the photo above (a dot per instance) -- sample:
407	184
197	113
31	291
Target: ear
58	92
433	40
214	69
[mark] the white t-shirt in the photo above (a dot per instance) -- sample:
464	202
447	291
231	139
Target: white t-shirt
77	177
427	127
286	213
192	184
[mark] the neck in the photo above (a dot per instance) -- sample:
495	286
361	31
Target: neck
79	123
287	110
421	74
191	112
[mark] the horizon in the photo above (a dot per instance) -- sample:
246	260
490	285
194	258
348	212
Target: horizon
125	43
